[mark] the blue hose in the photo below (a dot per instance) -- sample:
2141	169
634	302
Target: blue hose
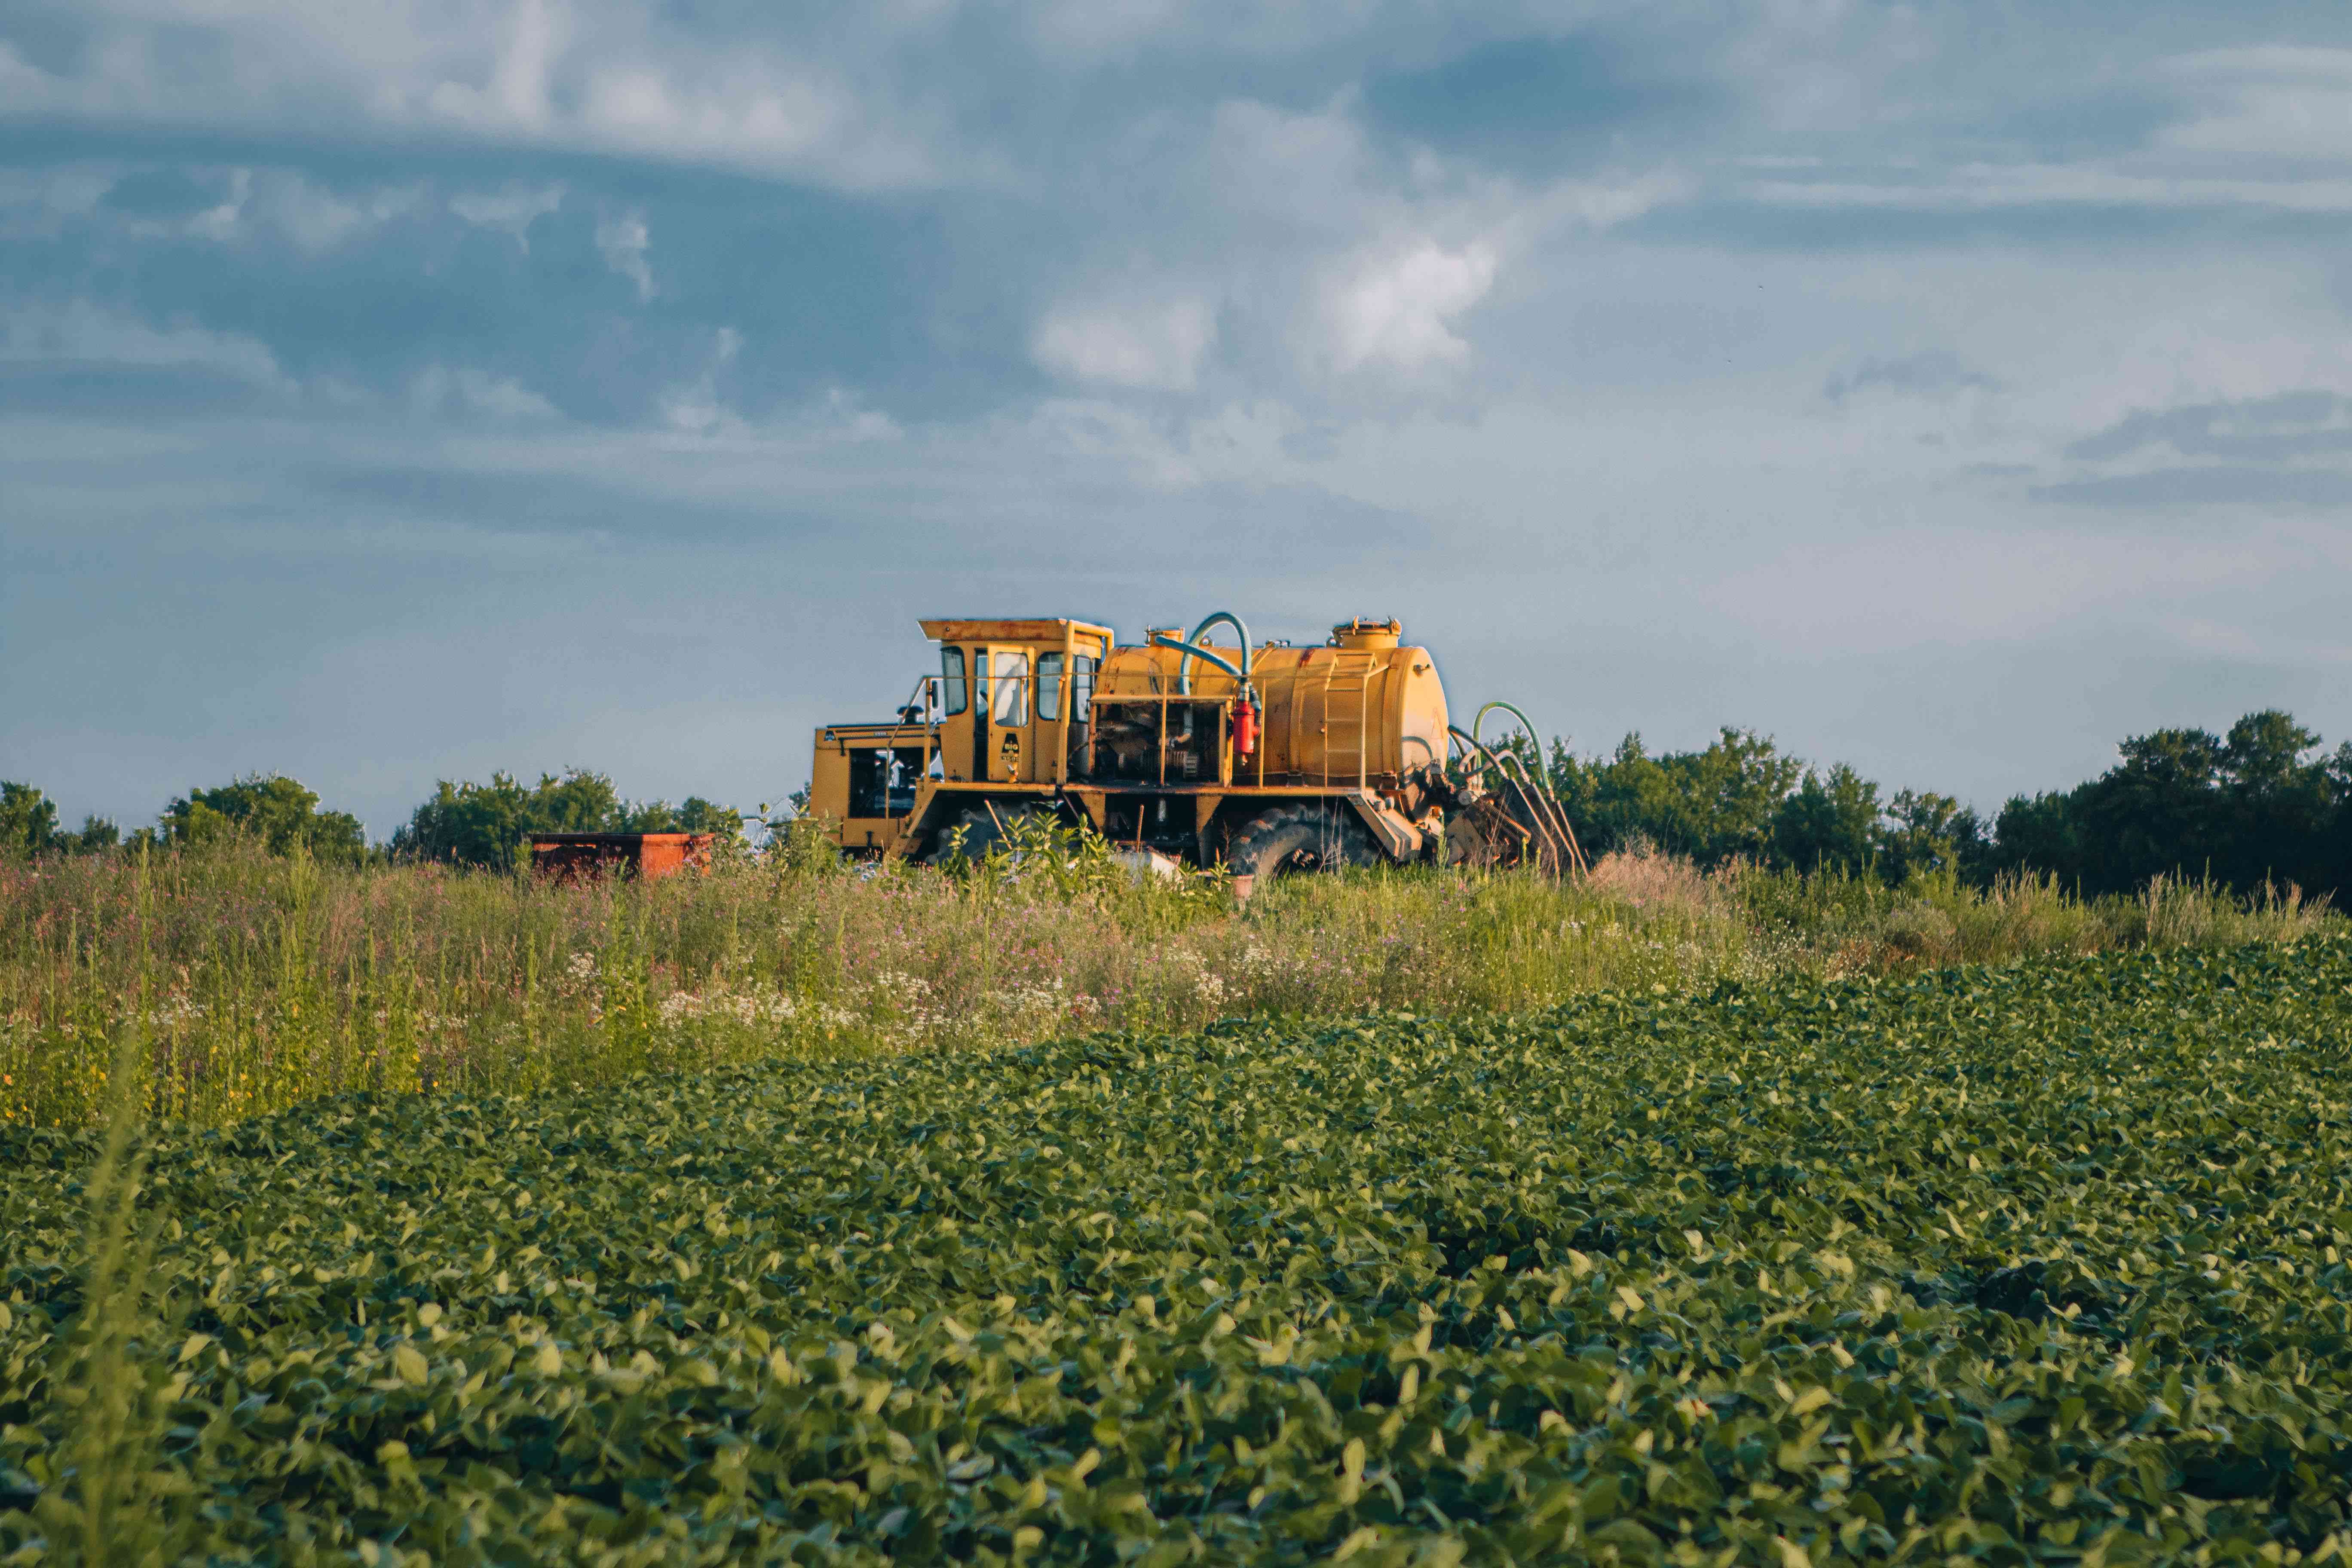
1161	639
1190	647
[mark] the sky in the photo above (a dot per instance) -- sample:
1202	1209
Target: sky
399	392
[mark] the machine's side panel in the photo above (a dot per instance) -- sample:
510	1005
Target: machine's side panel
828	799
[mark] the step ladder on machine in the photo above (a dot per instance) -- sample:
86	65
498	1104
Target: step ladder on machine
1347	717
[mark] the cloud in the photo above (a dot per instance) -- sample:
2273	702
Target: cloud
2218	484
18	77
1988	187
2260	129
1534	105
1087	28
317	219
1393	310
2272	101
516	95
178	203
2290	449
439	390
623	241
1155	347
81	358
1603	203
580	75
759	115
1304	174
1934	374
514	208
2283	427
238	204
696	406
44	204
85	333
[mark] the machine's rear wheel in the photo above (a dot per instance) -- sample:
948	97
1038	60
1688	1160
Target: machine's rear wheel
1304	837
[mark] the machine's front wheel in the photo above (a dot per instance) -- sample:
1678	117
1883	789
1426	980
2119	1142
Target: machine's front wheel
1304	837
977	831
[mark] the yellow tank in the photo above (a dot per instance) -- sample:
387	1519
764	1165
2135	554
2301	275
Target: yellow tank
1360	711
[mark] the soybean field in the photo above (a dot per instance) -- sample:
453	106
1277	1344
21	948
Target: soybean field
2044	1262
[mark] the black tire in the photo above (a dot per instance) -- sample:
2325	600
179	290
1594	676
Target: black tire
1294	839
982	833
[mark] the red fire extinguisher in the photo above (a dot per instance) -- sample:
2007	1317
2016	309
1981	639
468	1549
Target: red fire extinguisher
1244	726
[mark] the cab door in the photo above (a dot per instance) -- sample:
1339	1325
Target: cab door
1003	705
958	724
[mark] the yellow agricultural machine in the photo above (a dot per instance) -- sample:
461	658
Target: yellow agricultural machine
1267	758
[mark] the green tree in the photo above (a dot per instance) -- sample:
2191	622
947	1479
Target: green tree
579	802
2336	845
1926	833
2039	832
1713	806
2281	806
469	824
273	810
693	815
1829	822
2256	805
28	821
485	824
2159	811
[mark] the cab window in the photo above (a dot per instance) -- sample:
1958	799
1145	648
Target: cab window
1009	672
882	779
1049	686
952	679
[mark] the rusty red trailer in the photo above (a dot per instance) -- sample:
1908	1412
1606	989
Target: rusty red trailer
584	856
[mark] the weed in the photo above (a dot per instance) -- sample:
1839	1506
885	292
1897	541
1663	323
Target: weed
261	981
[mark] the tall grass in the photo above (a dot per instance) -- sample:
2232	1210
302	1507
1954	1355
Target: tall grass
117	1502
1845	922
257	981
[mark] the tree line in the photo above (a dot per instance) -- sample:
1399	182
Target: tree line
464	824
2264	804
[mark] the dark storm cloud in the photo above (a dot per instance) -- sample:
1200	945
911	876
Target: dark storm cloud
511	270
1540	105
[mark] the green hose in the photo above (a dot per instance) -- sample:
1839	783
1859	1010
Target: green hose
1528	725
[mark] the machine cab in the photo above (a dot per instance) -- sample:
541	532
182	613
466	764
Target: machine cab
1013	697
1008	705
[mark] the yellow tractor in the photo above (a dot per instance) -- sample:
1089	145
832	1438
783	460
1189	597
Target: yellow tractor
1266	758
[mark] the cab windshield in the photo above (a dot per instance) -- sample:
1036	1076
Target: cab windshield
1049	686
1009	687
